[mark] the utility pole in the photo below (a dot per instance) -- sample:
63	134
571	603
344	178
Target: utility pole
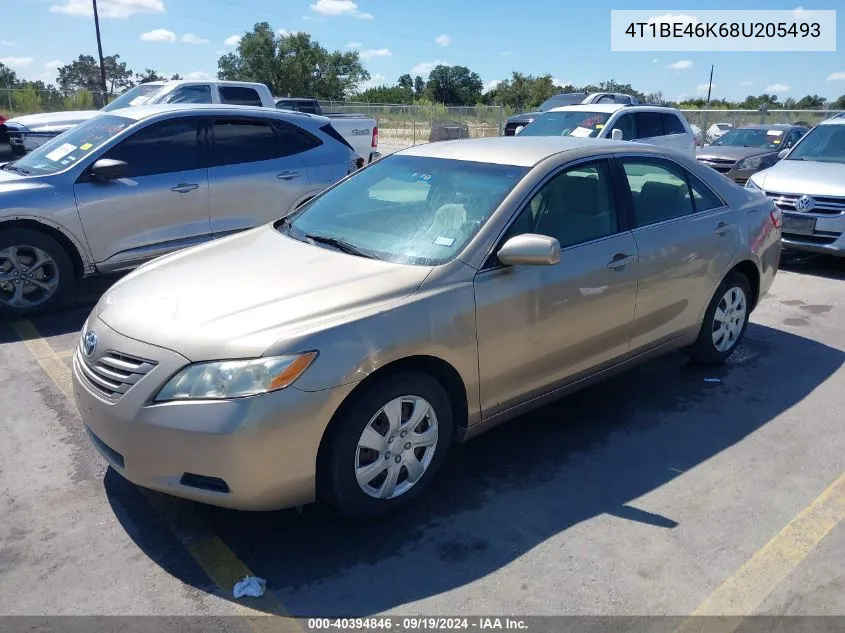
100	51
709	86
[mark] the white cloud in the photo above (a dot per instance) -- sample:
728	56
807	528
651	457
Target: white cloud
190	38
158	35
7	43
198	75
112	9
16	62
491	84
232	40
746	82
353	45
836	76
443	40
372	82
703	87
339	7
53	64
674	19
424	68
776	88
683	64
375	52
558	82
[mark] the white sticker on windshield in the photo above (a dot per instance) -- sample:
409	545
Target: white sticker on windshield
138	100
581	131
444	241
774	132
60	152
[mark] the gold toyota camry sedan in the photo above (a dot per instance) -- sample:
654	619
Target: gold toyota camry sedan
341	350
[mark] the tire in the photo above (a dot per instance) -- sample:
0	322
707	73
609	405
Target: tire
343	458
25	246
709	348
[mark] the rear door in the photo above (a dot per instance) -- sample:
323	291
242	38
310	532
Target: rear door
686	239
260	169
160	204
675	135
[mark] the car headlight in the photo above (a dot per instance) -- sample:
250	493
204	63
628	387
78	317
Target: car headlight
754	162
753	186
235	378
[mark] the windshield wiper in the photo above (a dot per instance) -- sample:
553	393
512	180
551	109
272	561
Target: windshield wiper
340	245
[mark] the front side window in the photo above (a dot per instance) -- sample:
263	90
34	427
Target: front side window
69	148
627	126
245	141
161	148
567	123
407	209
649	124
238	95
575	206
662	191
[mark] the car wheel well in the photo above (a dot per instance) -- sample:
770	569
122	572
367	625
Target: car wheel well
56	234
437	368
749	269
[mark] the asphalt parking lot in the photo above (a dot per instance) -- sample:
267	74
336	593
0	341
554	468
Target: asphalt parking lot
667	490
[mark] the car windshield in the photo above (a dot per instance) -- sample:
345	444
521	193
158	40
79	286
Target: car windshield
132	97
824	143
570	123
70	147
406	209
752	137
563	99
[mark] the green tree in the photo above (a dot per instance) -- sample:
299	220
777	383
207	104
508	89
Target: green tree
84	74
406	82
385	94
839	104
147	76
26	101
175	77
453	85
810	102
419	86
8	77
293	64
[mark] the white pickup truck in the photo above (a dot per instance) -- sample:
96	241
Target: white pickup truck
29	131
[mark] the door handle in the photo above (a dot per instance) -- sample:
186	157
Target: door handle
185	187
288	175
620	260
723	227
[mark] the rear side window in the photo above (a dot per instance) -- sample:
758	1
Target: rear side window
329	129
672	124
294	139
245	141
162	148
238	95
648	124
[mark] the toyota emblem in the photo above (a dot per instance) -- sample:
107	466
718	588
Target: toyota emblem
89	343
805	204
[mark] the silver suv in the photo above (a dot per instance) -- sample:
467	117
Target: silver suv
127	186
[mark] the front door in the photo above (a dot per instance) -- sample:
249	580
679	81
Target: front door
541	326
261	168
159	205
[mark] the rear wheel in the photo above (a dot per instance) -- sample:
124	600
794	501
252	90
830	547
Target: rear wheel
386	448
36	273
724	322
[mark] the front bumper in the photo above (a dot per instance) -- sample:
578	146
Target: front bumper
801	243
256	453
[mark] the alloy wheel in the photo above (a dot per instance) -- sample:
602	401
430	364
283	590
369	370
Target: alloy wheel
729	319
28	276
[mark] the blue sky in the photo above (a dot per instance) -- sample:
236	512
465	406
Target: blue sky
570	40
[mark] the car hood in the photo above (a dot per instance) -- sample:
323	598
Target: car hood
236	297
52	120
730	152
803	177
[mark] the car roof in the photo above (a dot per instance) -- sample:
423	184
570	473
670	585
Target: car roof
145	111
612	107
833	121
523	151
773	126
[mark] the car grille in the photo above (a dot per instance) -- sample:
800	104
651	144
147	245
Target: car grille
113	373
825	205
722	165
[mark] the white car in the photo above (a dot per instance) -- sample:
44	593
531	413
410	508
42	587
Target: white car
655	125
716	130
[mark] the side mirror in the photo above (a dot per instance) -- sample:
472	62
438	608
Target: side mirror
518	130
616	134
530	249
107	169
782	153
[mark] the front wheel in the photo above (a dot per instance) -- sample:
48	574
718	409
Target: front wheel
387	446
724	322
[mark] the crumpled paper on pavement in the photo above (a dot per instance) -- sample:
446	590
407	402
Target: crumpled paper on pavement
252	586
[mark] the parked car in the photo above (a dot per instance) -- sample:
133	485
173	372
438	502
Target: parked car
515	123
808	185
656	125
133	184
425	299
744	151
716	130
359	131
32	130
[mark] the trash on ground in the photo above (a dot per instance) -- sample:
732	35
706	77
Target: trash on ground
250	586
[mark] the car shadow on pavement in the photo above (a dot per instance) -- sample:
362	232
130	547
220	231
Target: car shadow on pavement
510	490
817	265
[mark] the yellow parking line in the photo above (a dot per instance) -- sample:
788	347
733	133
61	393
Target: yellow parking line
752	583
215	558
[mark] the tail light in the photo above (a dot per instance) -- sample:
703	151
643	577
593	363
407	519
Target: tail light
375	136
776	218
